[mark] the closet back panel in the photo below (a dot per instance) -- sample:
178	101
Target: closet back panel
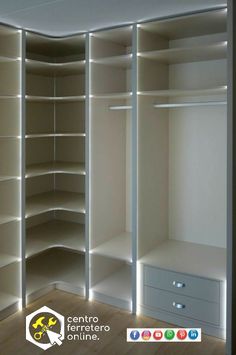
37	85
9	44
108	171
10	196
39	150
72	183
153	168
10	78
70	85
70	149
70	117
197	175
39	185
10	279
39	117
10	238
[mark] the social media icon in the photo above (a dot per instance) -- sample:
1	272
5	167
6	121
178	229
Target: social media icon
157	334
169	334
134	335
146	335
193	334
182	334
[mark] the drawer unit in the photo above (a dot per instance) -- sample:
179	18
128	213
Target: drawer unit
184	306
182	284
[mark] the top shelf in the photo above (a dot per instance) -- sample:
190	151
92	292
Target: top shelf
188	54
61	69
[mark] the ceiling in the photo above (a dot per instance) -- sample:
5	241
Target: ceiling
64	17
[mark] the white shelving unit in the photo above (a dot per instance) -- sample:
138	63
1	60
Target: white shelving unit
55	164
10	134
111	232
182	160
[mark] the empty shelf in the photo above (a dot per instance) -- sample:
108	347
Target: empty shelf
52	135
4	59
7	300
55	266
190	104
193	92
55	98
190	258
117	248
55	168
7	178
55	200
6	259
55	234
118	95
117	285
187	54
61	69
121	61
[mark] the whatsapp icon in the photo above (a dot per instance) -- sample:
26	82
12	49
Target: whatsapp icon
169	334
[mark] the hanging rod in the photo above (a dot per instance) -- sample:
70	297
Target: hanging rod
120	108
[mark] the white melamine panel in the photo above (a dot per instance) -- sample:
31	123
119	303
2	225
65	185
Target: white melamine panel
10	78
39	117
70	117
10	198
70	183
38	85
70	149
10	285
109	178
39	151
40	184
10	239
153	170
197	175
72	85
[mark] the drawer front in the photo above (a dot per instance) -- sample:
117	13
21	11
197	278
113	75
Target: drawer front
184	306
182	284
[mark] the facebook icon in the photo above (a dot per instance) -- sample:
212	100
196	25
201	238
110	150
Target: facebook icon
134	335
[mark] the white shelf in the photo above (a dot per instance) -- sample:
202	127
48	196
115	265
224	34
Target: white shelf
117	248
7	300
55	99
190	104
52	135
192	92
55	168
55	200
10	137
188	54
4	219
190	258
118	95
55	233
4	59
6	259
61	69
55	267
9	178
117	285
121	61
10	97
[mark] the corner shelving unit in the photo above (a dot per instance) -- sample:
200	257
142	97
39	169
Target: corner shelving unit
182	158
55	164
10	173
111	230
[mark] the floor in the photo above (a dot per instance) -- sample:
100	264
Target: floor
12	332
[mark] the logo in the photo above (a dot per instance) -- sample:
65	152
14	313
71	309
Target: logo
146	335
134	335
45	328
169	334
157	334
181	334
193	334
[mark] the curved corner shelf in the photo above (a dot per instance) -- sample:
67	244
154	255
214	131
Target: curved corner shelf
34	98
55	168
54	135
54	201
55	234
61	69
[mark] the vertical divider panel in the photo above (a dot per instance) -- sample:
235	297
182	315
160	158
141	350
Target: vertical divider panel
134	170
22	168
87	163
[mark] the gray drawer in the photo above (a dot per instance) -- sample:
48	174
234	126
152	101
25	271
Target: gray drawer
184	306
182	284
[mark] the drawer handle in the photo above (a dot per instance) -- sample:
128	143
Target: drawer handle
178	305
178	284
